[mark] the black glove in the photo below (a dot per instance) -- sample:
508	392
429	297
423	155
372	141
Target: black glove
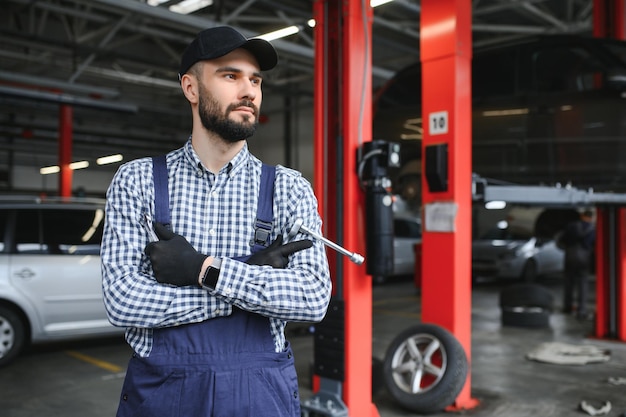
276	254
174	260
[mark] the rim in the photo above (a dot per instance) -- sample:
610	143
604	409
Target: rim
419	363
7	336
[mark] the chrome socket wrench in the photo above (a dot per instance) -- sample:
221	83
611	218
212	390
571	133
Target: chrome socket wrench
298	226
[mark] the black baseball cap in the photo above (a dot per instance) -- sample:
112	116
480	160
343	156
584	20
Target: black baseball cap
218	41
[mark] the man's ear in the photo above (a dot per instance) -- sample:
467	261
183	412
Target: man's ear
189	85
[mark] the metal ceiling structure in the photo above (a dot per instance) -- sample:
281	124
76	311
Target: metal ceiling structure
116	61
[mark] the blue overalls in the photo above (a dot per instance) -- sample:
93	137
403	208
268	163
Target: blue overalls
222	367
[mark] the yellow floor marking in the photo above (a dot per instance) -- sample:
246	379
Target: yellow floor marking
97	362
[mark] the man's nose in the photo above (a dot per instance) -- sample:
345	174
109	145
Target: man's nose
248	90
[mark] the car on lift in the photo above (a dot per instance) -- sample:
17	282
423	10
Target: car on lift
503	253
523	245
545	110
50	279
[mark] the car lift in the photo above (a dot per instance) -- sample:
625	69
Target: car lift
610	320
342	113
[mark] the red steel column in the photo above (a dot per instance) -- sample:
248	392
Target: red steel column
609	21
620	282
65	150
446	53
610	320
342	122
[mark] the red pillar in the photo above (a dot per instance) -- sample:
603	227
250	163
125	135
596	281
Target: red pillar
610	320
609	21
65	150
342	122
446	52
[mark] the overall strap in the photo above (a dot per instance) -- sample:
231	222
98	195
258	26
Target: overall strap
264	211
161	193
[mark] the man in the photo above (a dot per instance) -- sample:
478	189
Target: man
578	240
207	328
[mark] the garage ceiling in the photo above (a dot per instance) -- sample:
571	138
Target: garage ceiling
117	60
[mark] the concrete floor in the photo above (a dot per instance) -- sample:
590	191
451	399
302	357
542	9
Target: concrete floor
84	378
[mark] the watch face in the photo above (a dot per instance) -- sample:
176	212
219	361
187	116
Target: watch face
210	277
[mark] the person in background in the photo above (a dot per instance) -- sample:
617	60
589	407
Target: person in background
205	316
578	240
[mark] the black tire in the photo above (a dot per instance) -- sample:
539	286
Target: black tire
425	368
12	335
526	295
529	272
536	317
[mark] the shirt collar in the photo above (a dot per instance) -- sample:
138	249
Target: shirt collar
231	168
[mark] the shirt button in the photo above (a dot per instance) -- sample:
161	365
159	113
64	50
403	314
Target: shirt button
214	193
198	172
218	311
228	290
212	232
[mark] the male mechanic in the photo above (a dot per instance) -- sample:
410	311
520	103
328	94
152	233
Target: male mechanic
205	316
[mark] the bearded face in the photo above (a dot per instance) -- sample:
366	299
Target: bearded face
220	123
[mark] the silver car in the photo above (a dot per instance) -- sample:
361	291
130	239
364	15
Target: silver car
50	280
502	253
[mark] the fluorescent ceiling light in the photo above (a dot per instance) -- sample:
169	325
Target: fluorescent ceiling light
111	159
156	2
376	3
79	165
190	6
495	205
49	170
281	33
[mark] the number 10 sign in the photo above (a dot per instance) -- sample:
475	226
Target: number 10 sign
438	123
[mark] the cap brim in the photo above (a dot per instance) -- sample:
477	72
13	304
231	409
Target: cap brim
263	51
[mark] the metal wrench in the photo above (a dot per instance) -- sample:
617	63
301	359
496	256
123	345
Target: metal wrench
150	228
299	226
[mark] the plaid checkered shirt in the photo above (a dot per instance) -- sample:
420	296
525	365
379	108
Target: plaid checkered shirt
216	214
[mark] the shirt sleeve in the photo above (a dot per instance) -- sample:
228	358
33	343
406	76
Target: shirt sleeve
300	292
132	297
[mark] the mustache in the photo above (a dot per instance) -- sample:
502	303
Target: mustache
244	103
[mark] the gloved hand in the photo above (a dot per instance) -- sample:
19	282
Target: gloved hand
276	254
174	260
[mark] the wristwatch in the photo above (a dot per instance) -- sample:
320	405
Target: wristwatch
212	273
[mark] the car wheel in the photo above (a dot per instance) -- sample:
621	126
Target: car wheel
425	368
529	273
12	335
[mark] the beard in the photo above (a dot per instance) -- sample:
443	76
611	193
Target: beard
219	123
